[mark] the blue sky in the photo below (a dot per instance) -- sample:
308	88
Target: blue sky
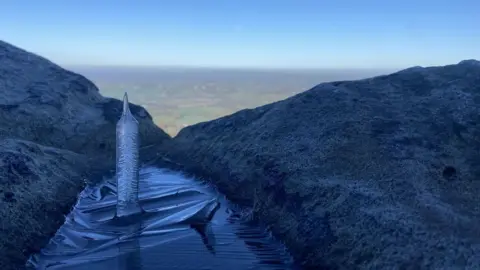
246	33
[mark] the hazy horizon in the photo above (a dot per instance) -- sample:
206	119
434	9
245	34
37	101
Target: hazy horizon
271	34
189	61
260	69
146	70
184	96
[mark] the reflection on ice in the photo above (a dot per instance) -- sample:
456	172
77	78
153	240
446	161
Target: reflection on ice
156	219
184	225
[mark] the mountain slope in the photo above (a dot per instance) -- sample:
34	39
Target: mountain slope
377	173
56	130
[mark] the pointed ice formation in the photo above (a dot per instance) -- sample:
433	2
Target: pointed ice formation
127	162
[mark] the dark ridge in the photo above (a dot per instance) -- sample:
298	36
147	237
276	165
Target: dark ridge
112	110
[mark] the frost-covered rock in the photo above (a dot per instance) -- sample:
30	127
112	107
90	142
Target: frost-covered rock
44	103
55	129
380	173
38	185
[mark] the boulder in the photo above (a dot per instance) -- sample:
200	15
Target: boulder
46	104
56	132
38	186
379	173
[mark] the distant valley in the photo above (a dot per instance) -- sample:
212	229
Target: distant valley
178	97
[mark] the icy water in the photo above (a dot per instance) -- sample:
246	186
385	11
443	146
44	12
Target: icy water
185	224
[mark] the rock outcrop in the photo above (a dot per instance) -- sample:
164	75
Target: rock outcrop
380	173
55	130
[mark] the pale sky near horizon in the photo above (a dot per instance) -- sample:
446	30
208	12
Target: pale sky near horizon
246	33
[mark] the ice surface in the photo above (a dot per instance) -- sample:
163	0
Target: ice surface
185	225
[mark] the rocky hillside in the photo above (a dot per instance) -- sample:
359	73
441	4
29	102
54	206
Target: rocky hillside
380	173
55	131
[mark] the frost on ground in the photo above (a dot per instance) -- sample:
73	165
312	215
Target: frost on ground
380	173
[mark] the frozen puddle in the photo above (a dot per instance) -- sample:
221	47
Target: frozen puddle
185	224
